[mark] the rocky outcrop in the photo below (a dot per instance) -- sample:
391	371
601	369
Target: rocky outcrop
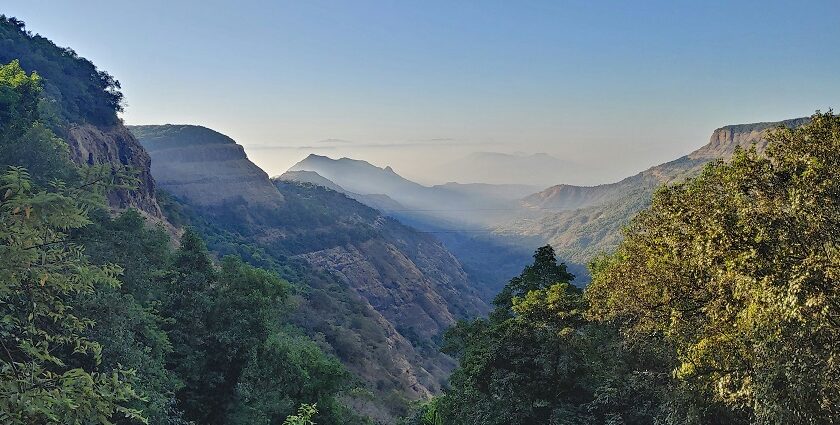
115	145
204	167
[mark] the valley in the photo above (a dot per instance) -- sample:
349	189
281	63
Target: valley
152	273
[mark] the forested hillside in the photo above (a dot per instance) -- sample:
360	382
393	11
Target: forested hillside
103	320
721	305
155	275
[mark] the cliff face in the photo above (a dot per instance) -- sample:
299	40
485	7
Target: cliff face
204	167
588	220
115	145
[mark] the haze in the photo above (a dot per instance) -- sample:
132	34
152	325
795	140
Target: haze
610	89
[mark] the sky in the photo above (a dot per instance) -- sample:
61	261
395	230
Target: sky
613	87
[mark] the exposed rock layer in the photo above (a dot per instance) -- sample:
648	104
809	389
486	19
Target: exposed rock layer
204	167
115	145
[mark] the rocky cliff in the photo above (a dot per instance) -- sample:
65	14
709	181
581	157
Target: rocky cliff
205	167
115	145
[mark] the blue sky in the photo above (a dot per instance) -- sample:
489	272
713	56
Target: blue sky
615	86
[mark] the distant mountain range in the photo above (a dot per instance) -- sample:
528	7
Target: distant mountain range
539	169
460	204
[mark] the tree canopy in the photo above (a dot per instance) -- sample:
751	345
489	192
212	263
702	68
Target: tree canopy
737	271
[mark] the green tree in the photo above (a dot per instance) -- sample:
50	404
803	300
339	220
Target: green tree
736	271
512	370
544	272
189	306
128	323
24	139
49	371
303	416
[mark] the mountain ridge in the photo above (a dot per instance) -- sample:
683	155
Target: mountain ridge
721	145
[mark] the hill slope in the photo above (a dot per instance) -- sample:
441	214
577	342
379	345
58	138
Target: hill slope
81	106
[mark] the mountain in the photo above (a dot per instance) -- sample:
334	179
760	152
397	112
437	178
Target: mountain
182	155
454	205
380	202
377	293
583	221
81	105
538	169
461	215
365	178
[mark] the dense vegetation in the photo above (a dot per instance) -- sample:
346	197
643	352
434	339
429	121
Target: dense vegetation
720	306
77	92
104	322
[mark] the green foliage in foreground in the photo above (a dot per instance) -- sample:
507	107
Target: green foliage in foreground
102	322
303	417
49	371
720	306
736	271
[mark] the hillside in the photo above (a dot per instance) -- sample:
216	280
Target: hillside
81	106
585	221
376	291
461	215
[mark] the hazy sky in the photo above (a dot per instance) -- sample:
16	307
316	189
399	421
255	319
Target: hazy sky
616	86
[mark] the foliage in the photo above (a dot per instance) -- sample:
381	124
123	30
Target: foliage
77	91
736	270
719	307
128	323
304	415
538	360
49	371
24	139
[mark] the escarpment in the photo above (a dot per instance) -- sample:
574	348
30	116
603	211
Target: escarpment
204	167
